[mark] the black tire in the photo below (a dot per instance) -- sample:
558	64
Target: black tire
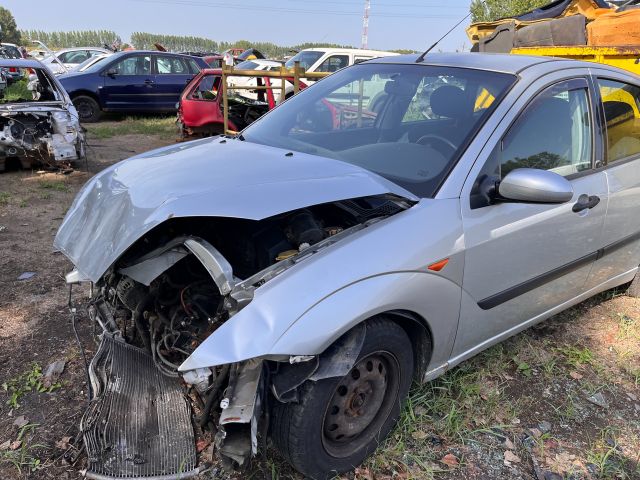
308	433
88	109
634	287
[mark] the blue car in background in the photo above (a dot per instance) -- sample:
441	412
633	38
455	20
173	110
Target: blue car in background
134	81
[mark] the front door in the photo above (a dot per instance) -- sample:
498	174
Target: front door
522	259
128	83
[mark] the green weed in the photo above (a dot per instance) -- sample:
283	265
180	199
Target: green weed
31	380
23	457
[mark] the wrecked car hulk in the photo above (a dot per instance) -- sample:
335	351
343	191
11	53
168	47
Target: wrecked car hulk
289	283
38	123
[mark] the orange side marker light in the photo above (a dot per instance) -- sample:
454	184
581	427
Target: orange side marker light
436	267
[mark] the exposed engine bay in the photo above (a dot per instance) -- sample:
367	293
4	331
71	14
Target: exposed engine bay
182	281
43	129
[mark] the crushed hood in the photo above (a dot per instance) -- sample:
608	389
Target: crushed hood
210	177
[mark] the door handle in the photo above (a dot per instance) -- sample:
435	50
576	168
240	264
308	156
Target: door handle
585	202
148	81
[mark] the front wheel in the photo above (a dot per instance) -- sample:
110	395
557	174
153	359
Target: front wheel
88	109
338	422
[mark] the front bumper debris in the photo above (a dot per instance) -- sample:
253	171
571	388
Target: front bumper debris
138	424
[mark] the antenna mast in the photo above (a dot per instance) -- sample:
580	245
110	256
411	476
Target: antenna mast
365	24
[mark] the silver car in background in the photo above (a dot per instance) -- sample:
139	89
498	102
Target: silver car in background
382	226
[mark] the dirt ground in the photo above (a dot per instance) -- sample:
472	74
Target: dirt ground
561	400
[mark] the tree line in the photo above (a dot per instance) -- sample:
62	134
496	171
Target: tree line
147	41
77	38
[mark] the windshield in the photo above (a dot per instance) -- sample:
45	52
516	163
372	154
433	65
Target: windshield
306	58
407	123
247	65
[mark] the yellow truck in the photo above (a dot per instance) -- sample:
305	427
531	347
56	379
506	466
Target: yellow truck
627	58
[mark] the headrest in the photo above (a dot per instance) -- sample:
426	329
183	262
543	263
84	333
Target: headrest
449	101
400	88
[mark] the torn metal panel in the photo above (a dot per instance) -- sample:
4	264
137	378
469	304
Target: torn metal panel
340	357
241	405
217	266
148	270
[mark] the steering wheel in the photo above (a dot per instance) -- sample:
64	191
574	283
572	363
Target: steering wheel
423	140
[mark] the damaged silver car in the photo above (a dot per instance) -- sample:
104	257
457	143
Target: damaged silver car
38	123
288	284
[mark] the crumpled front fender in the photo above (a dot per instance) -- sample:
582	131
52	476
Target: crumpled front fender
264	329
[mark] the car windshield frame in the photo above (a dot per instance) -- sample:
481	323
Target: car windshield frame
280	127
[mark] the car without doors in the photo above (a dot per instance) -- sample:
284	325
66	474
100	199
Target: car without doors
298	276
38	123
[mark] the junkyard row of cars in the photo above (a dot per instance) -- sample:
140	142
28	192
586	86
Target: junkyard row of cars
97	80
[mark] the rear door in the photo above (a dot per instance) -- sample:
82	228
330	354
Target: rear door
172	74
128	83
524	260
620	97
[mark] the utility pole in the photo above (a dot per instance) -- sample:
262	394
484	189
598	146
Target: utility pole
365	24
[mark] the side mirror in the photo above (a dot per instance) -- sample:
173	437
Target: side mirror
112	72
535	186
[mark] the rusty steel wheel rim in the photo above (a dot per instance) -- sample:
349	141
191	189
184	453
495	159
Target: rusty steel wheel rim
360	405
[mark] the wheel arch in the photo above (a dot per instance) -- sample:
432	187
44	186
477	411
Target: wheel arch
85	93
419	332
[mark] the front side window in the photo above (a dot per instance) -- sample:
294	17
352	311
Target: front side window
207	88
622	113
358	116
553	133
334	63
133	65
171	66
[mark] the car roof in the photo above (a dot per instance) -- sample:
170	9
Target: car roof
73	49
264	61
349	50
20	63
156	52
497	62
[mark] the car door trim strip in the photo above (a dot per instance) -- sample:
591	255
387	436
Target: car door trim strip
524	287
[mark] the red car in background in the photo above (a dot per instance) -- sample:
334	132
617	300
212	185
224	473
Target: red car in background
200	107
200	110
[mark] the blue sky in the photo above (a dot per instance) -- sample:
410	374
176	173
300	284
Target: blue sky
413	24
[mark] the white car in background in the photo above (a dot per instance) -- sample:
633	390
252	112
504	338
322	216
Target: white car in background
71	57
330	60
89	62
255	64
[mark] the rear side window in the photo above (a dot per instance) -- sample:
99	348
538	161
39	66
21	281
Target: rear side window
171	65
622	113
133	65
553	133
193	65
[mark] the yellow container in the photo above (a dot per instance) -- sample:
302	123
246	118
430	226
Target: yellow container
627	58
